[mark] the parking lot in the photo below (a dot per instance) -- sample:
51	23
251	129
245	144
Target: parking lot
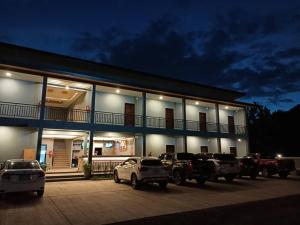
104	202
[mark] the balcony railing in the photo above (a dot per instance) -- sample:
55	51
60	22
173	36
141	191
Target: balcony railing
161	122
63	114
28	111
119	119
19	110
197	126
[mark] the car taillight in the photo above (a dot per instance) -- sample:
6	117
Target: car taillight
41	174
142	168
190	165
241	164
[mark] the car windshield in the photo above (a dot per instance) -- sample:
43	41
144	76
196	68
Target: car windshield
224	157
151	162
186	156
23	165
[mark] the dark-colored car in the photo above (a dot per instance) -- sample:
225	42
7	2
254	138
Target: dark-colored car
248	167
269	165
183	166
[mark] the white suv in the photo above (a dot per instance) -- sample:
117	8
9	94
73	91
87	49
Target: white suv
142	170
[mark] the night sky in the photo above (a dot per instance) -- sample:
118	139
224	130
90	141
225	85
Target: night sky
249	46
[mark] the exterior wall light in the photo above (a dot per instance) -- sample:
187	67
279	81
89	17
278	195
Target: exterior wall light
161	97
197	103
67	87
239	140
8	74
226	107
118	91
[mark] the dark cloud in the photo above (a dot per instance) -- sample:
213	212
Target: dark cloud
232	53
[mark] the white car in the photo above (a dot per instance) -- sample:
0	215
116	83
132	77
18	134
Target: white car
142	170
226	165
18	175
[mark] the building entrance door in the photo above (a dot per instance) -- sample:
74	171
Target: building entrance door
170	148
202	121
231	128
169	118
129	114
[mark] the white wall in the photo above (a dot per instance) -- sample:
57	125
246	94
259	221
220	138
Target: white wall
19	91
109	102
156	144
242	148
194	144
192	113
239	117
223	115
226	143
13	140
157	108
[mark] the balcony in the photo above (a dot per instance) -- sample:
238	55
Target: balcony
28	111
161	122
119	119
197	126
19	110
65	114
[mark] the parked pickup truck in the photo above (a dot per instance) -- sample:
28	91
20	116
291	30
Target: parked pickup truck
183	166
270	164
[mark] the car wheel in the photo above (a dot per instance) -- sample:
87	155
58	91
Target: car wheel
40	193
134	182
116	177
253	176
163	184
229	178
177	178
201	181
265	173
283	175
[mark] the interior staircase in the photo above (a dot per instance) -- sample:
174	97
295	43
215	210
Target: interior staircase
61	159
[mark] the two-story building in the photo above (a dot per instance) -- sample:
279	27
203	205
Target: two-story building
57	109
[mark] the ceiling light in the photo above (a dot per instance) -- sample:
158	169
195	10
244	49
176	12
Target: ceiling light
161	97
118	91
226	107
8	74
67	87
197	103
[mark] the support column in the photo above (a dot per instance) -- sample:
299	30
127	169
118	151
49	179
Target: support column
184	124
144	144
41	118
92	119
144	124
39	143
218	127
246	132
43	100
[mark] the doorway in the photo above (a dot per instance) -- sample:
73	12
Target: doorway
129	114
231	127
169	113
233	151
204	149
202	121
170	149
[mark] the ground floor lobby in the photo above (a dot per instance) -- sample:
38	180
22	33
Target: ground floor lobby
69	149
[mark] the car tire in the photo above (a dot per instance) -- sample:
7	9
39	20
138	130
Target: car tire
134	182
253	176
116	177
283	175
201	181
40	193
229	178
178	178
163	184
266	173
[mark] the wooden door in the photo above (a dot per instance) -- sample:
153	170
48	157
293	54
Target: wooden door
233	151
231	127
129	114
170	148
169	118
202	121
204	149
